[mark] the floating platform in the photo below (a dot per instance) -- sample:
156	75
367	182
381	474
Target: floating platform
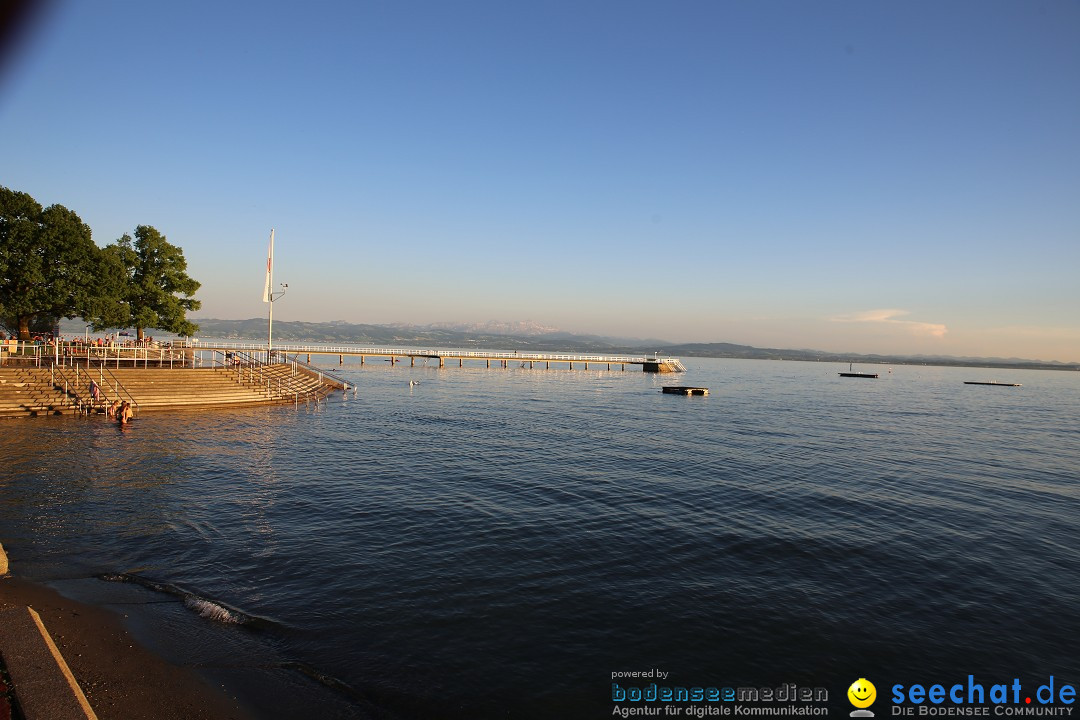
992	382
685	390
855	374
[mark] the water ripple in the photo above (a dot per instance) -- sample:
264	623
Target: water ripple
496	541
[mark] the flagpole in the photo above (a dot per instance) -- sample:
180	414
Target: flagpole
270	296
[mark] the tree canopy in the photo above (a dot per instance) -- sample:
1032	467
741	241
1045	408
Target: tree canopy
51	268
49	265
156	277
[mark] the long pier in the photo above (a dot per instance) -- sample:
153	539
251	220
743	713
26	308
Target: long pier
501	358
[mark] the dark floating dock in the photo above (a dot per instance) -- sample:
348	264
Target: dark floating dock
992	382
855	374
685	390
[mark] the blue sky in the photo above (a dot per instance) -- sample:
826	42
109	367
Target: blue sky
848	176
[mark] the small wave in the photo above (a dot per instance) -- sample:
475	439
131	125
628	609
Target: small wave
212	610
209	609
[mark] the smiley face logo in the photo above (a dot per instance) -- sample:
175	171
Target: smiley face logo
862	693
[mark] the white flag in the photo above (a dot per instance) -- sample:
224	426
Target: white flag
268	290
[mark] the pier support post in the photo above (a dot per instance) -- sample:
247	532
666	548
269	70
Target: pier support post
412	361
440	362
586	366
309	358
361	359
530	364
571	364
460	362
547	364
489	363
340	359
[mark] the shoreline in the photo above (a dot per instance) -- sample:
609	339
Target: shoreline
120	677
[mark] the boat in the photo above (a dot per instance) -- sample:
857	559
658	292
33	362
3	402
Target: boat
991	382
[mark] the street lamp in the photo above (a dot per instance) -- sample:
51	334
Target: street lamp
270	330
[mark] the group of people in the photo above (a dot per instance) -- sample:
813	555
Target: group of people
119	411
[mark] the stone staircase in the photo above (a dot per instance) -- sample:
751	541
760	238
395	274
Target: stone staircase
30	391
155	389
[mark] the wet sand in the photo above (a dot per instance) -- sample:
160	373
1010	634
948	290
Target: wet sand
120	678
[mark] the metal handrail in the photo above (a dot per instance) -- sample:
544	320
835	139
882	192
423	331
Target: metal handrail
323	375
258	377
69	388
255	369
118	387
61	380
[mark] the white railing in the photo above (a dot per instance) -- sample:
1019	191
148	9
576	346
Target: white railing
25	350
117	355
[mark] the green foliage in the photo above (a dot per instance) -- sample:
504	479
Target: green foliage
156	290
49	264
51	268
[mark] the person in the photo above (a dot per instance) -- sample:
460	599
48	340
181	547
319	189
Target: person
94	392
114	410
125	413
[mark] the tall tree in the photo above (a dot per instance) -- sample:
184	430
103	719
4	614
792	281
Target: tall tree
49	265
156	278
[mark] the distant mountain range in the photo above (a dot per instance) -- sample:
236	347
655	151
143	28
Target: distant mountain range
532	336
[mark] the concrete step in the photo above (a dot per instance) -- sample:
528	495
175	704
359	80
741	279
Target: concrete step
26	391
45	688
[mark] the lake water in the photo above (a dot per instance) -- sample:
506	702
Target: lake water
497	543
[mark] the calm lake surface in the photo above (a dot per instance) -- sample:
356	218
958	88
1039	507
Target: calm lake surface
496	543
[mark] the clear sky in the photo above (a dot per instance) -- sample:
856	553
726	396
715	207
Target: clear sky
855	176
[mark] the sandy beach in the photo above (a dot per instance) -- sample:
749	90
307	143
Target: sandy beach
120	678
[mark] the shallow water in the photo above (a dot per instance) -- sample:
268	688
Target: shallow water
496	543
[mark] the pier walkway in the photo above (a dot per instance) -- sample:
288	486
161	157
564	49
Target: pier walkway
501	358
